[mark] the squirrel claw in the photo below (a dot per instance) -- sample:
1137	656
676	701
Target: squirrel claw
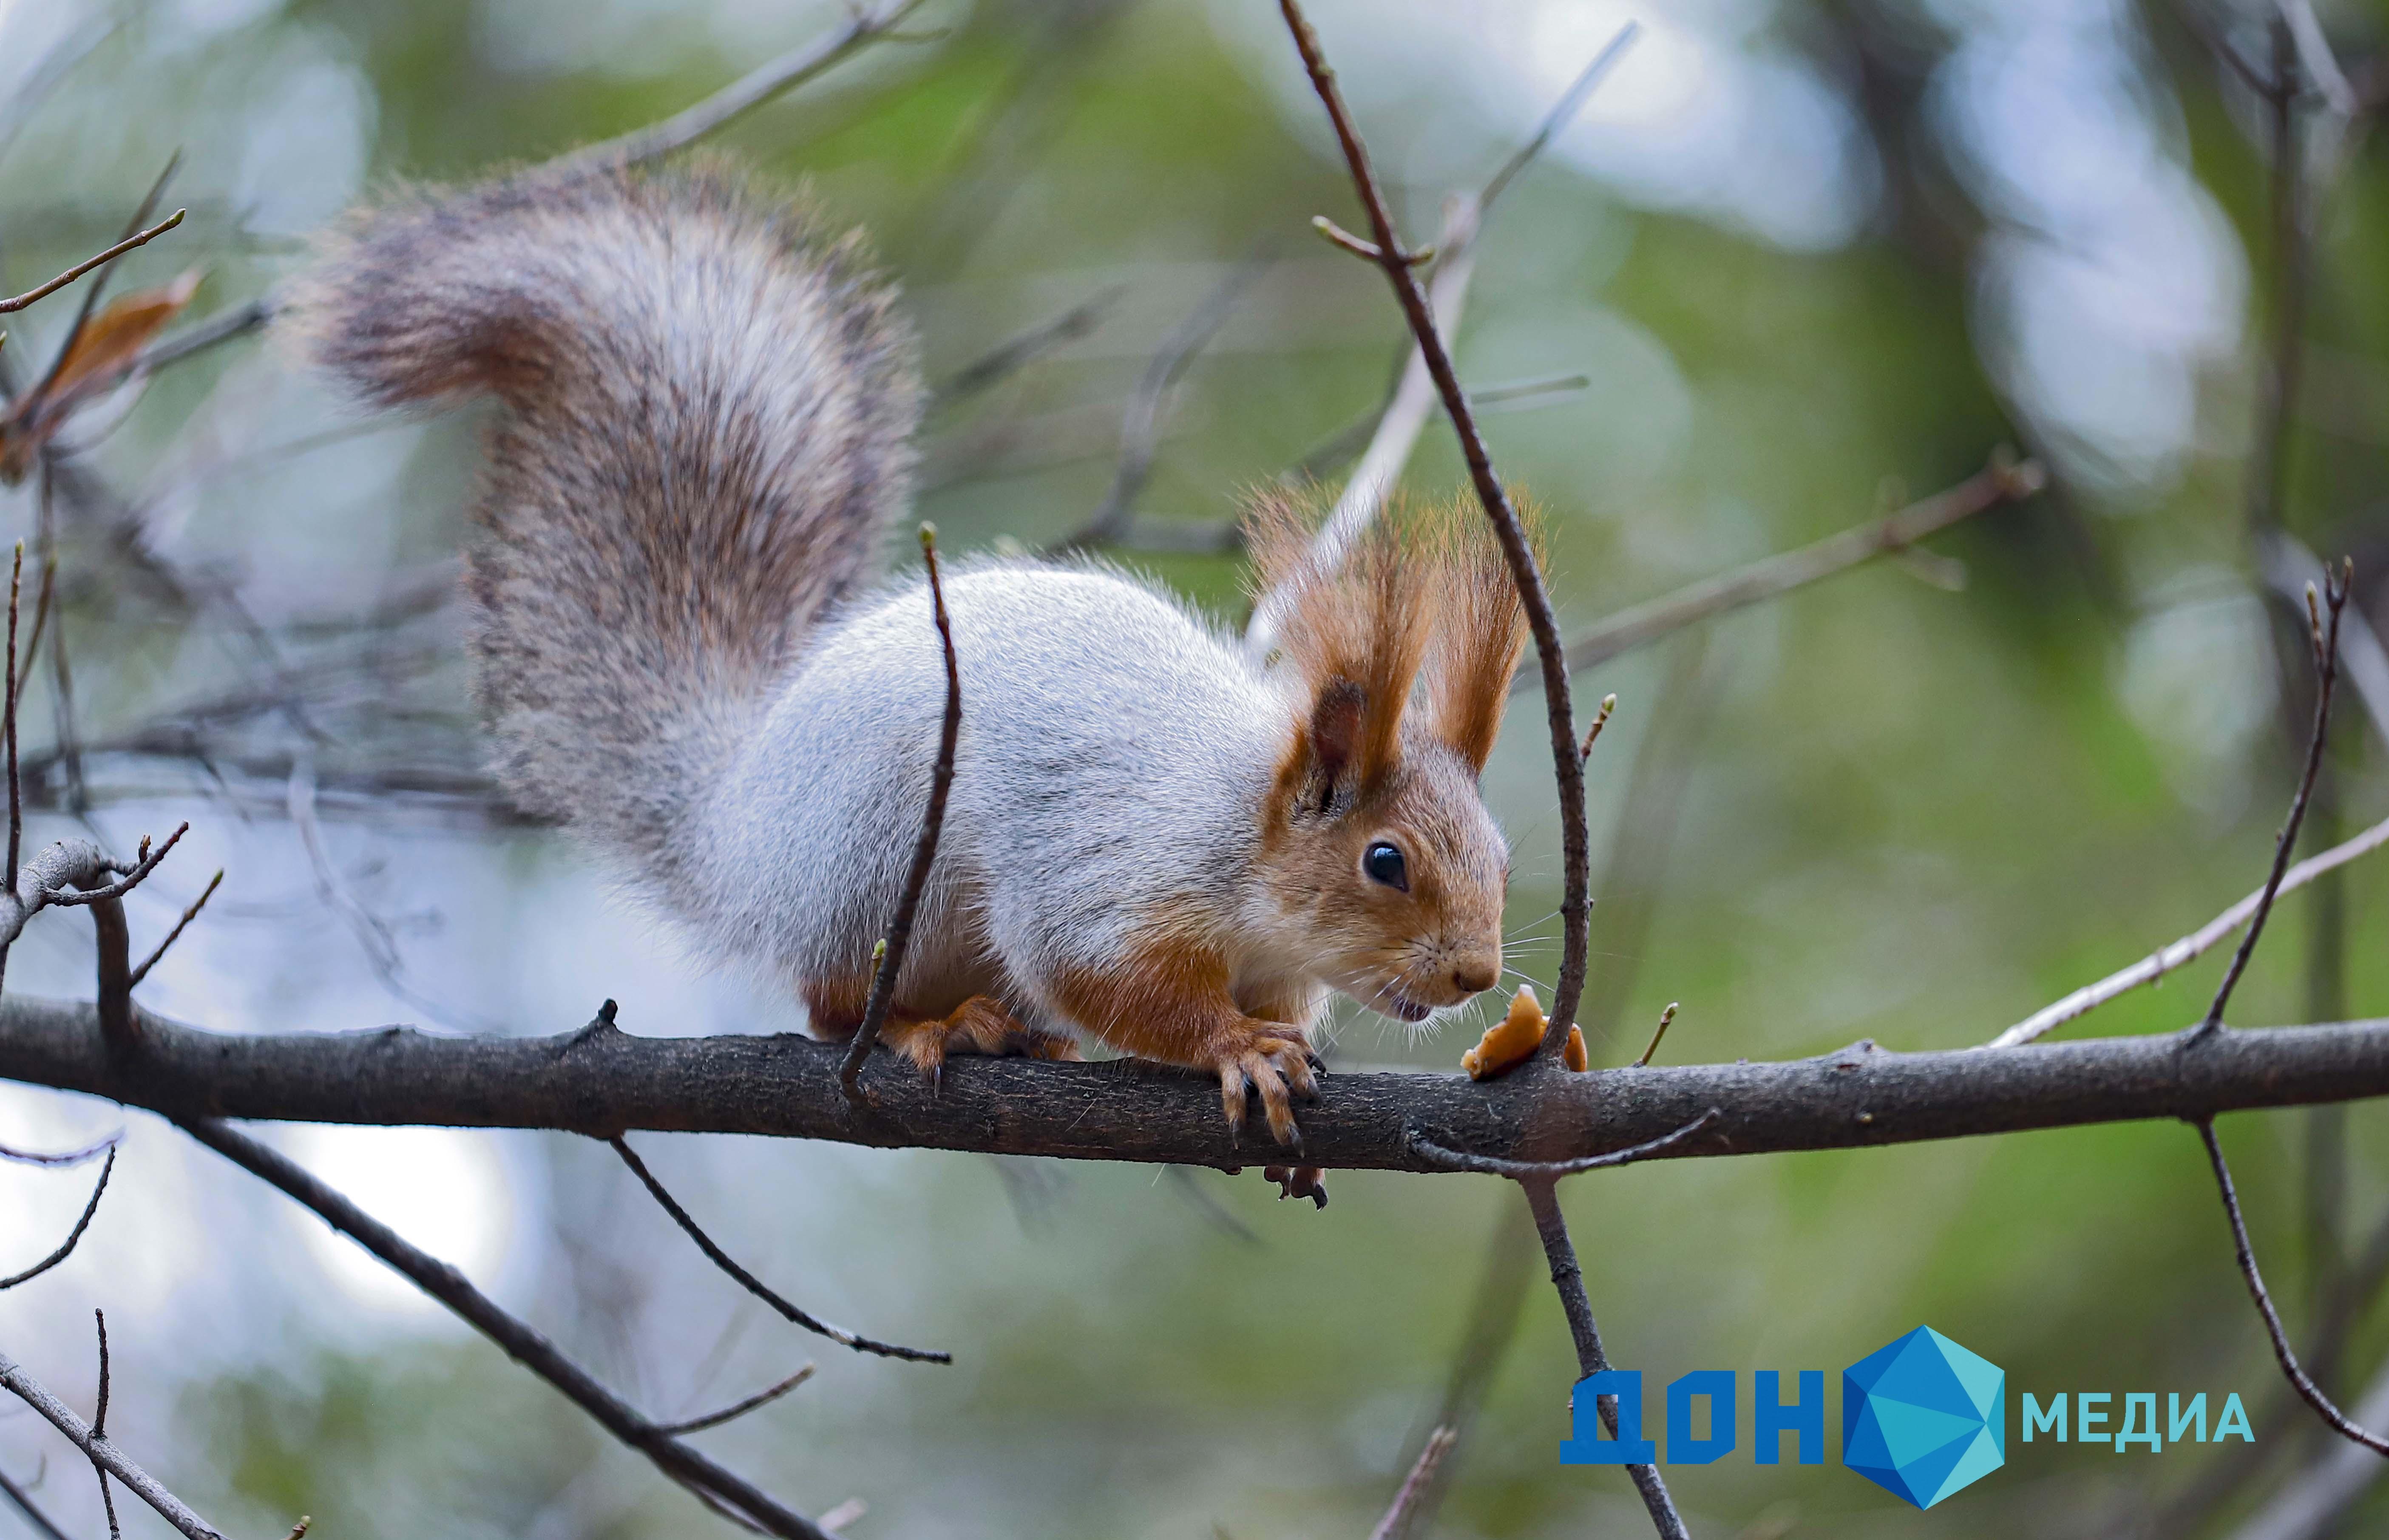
1298	1181
1274	1059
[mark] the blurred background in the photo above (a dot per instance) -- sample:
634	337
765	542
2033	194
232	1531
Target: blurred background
1792	266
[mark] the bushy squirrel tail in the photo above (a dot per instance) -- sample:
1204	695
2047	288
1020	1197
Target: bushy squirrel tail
710	414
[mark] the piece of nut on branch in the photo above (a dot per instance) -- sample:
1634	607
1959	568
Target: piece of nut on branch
1512	1041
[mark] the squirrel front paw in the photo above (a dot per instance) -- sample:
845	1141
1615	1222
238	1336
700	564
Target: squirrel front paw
1272	1059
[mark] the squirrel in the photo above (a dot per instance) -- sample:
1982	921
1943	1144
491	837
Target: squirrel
684	656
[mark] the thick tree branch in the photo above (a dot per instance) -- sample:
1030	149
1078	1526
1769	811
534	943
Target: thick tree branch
602	1082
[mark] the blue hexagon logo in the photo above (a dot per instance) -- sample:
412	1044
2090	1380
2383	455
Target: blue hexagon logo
1923	1417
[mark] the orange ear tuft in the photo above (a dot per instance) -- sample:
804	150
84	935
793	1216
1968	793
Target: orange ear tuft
1480	626
1359	633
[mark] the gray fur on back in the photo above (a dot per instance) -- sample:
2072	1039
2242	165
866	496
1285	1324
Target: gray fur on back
1112	759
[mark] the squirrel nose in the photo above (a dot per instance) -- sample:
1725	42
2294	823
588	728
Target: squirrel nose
1474	978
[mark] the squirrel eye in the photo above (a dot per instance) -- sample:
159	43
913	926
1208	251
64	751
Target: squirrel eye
1384	863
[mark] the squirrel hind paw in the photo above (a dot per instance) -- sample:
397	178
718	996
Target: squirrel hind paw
980	1025
1300	1182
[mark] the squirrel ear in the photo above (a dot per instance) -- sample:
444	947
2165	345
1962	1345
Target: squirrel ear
1335	734
1480	630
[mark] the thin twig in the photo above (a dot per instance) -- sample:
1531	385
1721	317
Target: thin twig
1392	431
1148	406
738	1409
72	1157
9	723
180	926
741	96
1568	1277
90	297
1600	721
99	1428
1338	235
26	1505
2000	481
1415	1485
925	850
66	1247
756	1286
10	306
1665	1018
2327	670
103	1452
2288	1358
705	1479
1006	357
1488	1166
2165	959
132	876
1575	841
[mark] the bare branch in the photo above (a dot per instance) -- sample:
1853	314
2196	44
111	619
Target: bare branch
1402	416
23	1501
1415	1485
1576	842
1666	1019
99	1428
72	1157
1008	356
66	1247
1148	407
2310	1504
133	875
1999	482
2327	669
733	101
189	914
605	1083
705	1479
1398	423
1568	1277
739	1408
1443	1159
2165	959
10	306
740	97
2306	1389
2290	569
104	1454
756	1286
925	850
